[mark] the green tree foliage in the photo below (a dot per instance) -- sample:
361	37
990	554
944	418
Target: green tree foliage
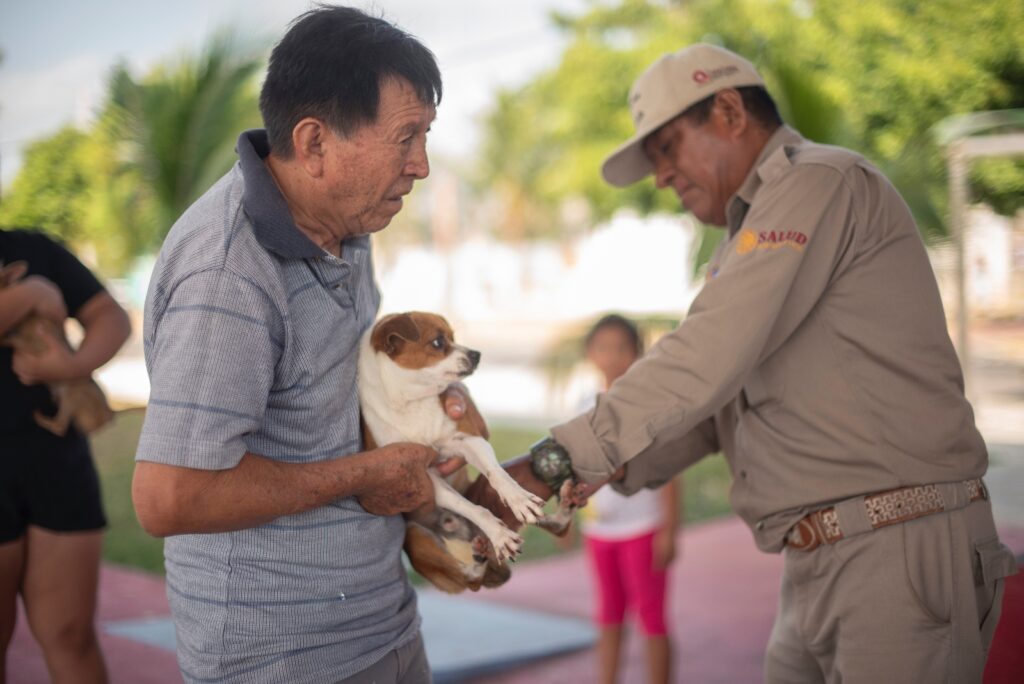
49	190
875	75
177	127
157	144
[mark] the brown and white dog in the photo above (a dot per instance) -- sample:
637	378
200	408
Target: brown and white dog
406	361
79	402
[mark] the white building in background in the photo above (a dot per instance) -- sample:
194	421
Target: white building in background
993	262
512	301
508	301
631	264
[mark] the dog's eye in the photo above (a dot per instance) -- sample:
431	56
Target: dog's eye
438	343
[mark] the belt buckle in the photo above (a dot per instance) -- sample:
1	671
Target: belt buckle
804	536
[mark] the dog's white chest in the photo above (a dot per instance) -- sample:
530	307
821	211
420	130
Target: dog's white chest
392	416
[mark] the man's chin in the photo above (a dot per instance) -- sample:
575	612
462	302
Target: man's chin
704	215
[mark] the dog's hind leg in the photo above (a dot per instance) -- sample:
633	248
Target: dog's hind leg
506	543
478	453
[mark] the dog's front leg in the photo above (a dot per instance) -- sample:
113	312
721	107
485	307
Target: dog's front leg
506	543
478	452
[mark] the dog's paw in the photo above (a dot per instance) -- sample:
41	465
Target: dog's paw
525	506
506	543
481	548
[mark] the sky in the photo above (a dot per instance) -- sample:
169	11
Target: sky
57	54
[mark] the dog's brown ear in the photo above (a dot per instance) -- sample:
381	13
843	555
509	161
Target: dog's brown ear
12	273
391	330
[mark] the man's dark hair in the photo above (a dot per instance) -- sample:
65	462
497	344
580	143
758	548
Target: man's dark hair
756	100
330	65
614	320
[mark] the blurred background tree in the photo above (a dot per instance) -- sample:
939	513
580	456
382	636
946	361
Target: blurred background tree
874	76
157	145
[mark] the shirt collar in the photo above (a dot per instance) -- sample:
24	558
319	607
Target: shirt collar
264	204
763	168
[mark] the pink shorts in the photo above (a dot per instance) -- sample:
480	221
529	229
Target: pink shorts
626	577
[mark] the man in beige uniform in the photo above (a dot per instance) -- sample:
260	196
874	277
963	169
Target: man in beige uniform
817	359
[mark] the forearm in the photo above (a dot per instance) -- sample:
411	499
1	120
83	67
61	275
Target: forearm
175	500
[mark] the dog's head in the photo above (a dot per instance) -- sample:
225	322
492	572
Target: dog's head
422	347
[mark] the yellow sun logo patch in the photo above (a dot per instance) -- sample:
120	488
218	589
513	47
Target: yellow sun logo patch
746	241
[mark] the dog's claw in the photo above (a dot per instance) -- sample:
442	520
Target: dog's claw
507	544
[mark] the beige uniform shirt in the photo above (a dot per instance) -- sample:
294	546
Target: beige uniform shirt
816	357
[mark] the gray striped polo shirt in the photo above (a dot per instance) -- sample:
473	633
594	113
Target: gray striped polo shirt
251	338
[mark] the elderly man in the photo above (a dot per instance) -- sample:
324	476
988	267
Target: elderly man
816	357
283	549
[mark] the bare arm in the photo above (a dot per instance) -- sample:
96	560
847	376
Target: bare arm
176	500
106	329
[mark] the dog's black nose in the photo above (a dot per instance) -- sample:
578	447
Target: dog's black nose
474	357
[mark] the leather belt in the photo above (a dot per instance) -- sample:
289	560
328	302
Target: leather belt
882	509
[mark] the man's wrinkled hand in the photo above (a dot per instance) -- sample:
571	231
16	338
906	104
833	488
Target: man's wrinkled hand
396	479
458	403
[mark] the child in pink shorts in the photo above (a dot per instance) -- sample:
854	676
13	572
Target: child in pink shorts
630	540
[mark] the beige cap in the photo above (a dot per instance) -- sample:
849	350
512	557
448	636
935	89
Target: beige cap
669	87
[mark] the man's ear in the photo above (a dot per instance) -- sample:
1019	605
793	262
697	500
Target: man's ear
729	113
309	139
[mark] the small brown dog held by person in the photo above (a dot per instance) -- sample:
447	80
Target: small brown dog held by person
406	363
51	516
79	401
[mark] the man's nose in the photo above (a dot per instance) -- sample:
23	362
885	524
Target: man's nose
663	173
418	166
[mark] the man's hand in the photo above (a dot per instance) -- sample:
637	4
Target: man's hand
396	479
459	405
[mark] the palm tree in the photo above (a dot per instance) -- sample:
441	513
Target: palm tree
176	128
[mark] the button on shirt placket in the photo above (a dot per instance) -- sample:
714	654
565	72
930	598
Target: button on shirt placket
335	275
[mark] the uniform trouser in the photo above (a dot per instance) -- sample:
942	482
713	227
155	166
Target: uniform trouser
914	602
407	664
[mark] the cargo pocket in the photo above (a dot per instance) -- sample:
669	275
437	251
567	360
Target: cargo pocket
992	563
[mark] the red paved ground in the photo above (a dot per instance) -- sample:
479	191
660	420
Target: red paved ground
124	594
722	605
